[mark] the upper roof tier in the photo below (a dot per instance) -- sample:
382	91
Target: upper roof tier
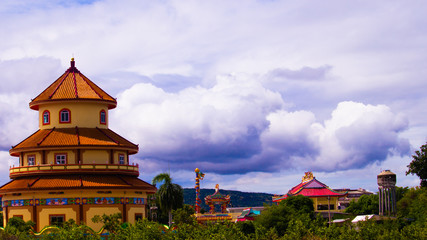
72	86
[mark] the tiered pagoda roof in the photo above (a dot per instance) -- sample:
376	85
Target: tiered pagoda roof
62	182
72	86
69	137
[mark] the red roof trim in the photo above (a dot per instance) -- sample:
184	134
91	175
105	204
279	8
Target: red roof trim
75	85
88	83
64	76
108	136
41	141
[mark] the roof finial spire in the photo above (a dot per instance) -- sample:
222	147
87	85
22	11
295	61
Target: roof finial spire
72	62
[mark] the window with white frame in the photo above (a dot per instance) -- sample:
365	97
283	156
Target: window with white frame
64	116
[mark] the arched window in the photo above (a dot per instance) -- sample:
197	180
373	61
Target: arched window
64	116
46	117
103	117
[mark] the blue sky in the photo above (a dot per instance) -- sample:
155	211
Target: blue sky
254	93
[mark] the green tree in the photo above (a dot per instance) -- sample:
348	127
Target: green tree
276	218
184	215
71	231
418	166
170	195
111	222
18	227
366	204
413	205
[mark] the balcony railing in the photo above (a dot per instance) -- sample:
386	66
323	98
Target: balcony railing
73	168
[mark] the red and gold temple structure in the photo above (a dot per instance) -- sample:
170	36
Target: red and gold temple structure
324	198
217	199
74	166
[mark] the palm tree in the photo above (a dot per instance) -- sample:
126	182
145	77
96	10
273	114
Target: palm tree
170	195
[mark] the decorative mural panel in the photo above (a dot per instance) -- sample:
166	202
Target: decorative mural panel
72	201
135	201
102	200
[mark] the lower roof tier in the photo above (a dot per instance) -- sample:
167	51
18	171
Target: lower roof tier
69	182
72	138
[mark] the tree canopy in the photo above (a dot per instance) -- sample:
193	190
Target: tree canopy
170	195
279	217
418	166
366	204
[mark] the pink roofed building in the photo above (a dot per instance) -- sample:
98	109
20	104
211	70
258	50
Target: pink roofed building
324	198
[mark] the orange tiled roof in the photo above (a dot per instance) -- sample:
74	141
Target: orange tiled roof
71	137
76	182
72	85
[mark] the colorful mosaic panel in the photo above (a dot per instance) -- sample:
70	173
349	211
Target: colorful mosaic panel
13	203
102	200
72	201
139	201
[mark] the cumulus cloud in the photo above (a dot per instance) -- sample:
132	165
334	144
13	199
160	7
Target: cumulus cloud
238	126
206	125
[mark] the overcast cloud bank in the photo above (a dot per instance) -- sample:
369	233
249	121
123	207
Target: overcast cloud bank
252	93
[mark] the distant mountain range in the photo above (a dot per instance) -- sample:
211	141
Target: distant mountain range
238	199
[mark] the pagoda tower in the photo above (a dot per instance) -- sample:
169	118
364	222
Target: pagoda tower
74	166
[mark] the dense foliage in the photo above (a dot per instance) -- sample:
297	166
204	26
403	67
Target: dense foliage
418	166
367	204
413	205
293	218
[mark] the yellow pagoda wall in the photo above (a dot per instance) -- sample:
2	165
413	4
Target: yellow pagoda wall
25	212
134	209
324	201
95	156
71	156
92	211
87	157
69	211
37	155
72	211
116	157
83	114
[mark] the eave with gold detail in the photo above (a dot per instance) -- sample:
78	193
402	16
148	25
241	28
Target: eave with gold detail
74	138
73	86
